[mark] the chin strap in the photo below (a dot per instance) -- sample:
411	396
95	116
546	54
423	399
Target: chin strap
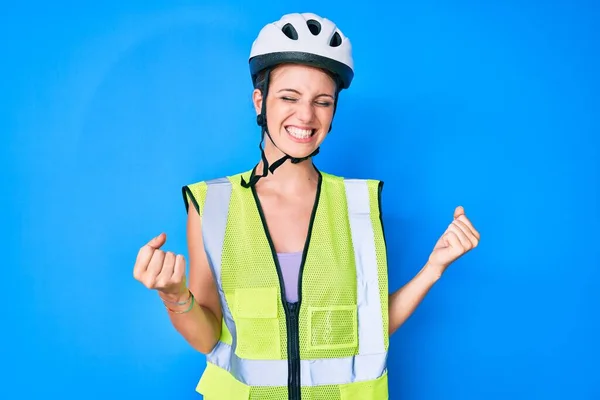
261	120
271	168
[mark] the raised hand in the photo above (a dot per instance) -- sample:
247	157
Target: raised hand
160	270
459	238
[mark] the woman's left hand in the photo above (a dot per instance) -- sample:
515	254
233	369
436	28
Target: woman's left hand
459	238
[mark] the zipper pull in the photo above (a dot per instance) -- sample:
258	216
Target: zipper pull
293	307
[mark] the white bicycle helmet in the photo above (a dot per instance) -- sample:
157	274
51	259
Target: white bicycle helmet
306	39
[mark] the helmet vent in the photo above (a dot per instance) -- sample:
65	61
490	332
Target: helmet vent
336	40
314	26
290	31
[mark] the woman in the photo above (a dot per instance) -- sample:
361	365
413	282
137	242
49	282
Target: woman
287	293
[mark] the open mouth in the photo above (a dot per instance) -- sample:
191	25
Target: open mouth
299	133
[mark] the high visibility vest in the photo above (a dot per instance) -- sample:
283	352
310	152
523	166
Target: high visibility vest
330	345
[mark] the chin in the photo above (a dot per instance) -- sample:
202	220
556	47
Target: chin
300	154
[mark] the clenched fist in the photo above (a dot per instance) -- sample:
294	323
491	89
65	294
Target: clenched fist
459	238
160	270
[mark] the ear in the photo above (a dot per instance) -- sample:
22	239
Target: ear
257	100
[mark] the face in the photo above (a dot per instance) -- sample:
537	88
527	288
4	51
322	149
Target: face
299	108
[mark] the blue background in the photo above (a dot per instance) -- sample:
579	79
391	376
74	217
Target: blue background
108	108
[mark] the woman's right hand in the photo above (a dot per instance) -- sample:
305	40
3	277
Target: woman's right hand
161	270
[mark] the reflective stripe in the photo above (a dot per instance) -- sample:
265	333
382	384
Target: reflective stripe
214	224
370	323
337	371
325	371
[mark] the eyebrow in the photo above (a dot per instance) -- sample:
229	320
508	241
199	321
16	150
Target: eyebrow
297	92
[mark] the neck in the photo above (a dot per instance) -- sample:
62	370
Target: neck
288	176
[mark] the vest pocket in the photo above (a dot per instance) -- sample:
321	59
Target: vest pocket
218	384
332	328
257	325
376	389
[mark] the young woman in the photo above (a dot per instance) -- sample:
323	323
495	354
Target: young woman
287	292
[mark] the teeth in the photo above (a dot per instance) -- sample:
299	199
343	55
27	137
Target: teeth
299	133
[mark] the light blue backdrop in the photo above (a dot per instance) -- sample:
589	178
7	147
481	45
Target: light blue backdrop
108	108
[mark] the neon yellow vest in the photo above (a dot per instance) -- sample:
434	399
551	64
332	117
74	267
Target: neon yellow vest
333	343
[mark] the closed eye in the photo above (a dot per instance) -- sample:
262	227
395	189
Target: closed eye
319	103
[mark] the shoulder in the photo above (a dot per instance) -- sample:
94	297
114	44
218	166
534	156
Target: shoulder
372	184
362	195
195	192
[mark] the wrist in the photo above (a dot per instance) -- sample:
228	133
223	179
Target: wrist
179	303
433	271
182	296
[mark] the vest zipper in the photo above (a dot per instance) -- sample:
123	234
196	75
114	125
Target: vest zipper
293	352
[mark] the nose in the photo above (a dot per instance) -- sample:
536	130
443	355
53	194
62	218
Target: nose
305	111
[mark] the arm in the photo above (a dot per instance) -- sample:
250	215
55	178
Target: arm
459	238
201	326
404	301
